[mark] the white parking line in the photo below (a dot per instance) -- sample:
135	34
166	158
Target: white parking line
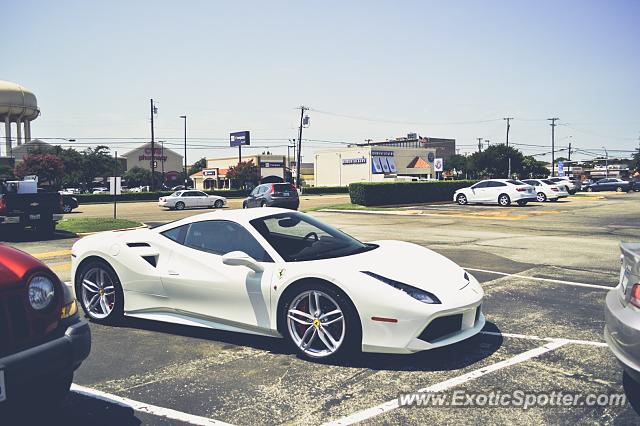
145	408
572	283
546	339
447	384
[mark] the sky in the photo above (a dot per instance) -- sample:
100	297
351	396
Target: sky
367	69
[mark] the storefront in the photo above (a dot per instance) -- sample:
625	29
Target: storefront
340	167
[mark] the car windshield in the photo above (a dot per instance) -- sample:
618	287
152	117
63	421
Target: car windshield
297	237
515	182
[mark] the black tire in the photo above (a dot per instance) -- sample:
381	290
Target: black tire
179	205
541	197
554	200
504	200
263	204
522	203
589	189
619	189
351	344
462	199
244	205
218	204
117	312
67	208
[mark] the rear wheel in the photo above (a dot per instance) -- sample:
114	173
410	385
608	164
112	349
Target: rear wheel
522	203
66	208
541	197
462	199
179	205
619	189
589	189
100	293
504	200
320	322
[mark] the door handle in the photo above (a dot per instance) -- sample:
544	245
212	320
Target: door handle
171	272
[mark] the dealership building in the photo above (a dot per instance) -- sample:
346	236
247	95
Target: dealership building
271	168
373	163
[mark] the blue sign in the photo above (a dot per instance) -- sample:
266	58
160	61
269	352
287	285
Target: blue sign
239	138
561	168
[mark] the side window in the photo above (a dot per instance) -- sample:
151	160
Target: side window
201	194
480	185
263	189
221	237
255	191
494	184
176	234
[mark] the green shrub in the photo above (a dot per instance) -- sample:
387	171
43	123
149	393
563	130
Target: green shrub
150	196
325	190
385	193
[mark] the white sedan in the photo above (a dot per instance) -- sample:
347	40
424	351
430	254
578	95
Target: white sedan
547	190
496	191
181	200
274	272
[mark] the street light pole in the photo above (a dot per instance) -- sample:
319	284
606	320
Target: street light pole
553	144
186	178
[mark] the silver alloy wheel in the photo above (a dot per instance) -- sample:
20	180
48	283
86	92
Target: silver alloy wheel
179	205
504	200
619	189
67	208
462	199
316	323
98	293
541	197
218	204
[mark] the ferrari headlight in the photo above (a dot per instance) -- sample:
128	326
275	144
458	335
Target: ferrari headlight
417	293
41	292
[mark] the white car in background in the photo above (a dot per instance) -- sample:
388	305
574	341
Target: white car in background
100	191
496	191
547	190
181	200
571	184
279	273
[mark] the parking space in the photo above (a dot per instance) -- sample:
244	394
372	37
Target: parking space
545	278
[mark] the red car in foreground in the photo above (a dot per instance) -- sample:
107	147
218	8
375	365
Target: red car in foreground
42	338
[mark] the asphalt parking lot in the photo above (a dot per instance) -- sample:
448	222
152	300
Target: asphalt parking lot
545	269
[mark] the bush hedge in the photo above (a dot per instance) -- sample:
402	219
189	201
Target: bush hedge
385	193
150	196
325	190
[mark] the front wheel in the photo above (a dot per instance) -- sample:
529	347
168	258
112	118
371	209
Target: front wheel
263	204
66	208
541	197
589	189
100	292
321	323
504	200
462	199
619	189
218	204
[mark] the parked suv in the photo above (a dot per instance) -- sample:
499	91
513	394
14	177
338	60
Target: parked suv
496	191
42	338
273	195
572	185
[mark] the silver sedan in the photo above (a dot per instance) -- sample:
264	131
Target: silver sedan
181	200
622	312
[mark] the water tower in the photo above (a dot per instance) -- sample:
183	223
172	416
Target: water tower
17	105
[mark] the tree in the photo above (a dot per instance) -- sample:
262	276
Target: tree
456	162
243	175
96	162
198	166
532	168
635	163
48	167
6	172
137	176
493	162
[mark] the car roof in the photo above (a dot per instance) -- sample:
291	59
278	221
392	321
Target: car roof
235	215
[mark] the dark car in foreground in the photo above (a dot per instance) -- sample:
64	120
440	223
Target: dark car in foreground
42	338
282	195
622	312
610	184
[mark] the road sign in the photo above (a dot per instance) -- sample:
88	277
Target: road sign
239	138
438	165
115	185
560	168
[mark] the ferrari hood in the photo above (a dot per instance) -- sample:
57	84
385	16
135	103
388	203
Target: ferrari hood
410	264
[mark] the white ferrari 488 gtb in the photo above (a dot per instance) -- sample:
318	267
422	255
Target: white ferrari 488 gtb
279	273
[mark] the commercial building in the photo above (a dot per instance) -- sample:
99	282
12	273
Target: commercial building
168	162
371	163
445	148
271	168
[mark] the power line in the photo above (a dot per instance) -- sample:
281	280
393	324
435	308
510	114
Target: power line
378	120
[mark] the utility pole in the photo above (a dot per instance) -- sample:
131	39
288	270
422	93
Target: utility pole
186	177
488	142
299	157
479	144
368	141
115	185
606	162
553	144
153	150
508	119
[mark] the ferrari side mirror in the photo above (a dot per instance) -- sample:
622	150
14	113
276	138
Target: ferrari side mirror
239	258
